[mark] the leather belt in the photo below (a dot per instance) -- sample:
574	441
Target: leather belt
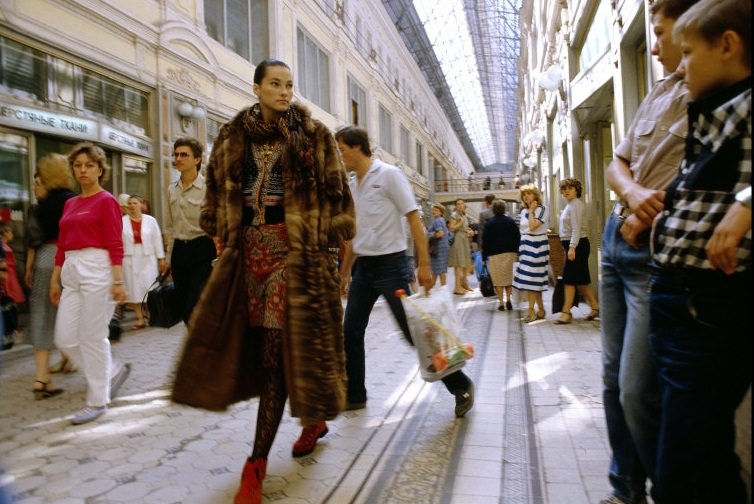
621	210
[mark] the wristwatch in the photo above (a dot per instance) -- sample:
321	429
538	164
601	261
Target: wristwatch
744	197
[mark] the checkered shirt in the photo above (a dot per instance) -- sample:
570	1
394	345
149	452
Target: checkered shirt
717	165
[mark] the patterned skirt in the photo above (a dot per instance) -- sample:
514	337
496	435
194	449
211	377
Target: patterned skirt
533	257
265	251
501	268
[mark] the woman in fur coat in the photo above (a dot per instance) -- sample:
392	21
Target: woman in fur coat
276	180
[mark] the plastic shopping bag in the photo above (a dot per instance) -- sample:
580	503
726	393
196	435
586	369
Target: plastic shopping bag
434	324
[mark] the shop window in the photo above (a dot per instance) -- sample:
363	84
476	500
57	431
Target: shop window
405	146
239	25
313	71
213	129
136	172
597	41
386	129
420	158
22	69
119	103
38	76
14	189
357	101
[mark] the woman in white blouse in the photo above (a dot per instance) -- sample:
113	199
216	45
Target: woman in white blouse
144	255
573	236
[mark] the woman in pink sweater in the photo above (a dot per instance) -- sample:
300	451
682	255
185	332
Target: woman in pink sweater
87	279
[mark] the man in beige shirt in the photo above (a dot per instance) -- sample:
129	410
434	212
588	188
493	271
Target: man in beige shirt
190	249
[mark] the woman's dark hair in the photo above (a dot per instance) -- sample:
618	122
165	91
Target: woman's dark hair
261	70
571	182
197	148
93	152
352	136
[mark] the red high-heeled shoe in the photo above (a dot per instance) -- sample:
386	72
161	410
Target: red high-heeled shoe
250	491
308	439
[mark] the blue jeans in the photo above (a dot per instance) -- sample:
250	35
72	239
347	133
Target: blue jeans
372	277
630	394
701	336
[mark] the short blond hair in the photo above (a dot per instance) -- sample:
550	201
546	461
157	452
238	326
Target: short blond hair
532	189
53	172
93	152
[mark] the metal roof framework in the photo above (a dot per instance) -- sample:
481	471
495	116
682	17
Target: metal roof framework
493	28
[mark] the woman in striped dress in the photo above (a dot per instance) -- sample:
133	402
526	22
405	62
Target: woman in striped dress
534	251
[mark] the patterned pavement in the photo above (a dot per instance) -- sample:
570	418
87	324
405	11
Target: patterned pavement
535	435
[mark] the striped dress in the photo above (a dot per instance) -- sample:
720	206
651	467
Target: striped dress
533	253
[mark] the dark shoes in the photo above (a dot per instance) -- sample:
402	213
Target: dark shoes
45	392
464	400
509	305
501	307
308	440
355	405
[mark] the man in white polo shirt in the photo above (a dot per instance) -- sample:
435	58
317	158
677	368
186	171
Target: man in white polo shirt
375	261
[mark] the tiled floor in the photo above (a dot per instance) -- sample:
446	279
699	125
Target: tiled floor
536	433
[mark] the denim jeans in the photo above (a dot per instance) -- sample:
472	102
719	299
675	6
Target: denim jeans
372	277
630	394
701	337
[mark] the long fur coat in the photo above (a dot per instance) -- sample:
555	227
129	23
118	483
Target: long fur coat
319	216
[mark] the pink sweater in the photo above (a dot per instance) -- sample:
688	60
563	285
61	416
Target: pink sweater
92	222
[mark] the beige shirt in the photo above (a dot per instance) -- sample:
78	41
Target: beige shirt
654	143
184	206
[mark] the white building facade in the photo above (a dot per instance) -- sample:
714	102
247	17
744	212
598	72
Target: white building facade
134	75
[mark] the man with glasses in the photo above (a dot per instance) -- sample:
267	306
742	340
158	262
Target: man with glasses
190	249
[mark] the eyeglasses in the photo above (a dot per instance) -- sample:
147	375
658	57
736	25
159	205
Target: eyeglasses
3	269
181	154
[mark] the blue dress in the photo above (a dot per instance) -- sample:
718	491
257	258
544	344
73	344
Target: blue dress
439	262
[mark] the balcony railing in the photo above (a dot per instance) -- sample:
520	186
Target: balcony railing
474	185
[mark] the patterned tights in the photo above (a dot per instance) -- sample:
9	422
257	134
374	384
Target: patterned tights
273	393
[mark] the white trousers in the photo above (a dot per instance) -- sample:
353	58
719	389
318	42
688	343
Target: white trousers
85	309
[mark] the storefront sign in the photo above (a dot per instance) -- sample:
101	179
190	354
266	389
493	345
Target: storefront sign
124	141
48	122
74	127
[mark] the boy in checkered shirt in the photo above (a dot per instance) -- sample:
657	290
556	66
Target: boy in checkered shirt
700	323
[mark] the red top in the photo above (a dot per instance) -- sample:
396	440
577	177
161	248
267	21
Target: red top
91	222
136	228
12	286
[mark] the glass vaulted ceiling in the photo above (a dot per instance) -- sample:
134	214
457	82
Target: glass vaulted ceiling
468	50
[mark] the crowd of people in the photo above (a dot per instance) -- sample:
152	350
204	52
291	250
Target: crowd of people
277	193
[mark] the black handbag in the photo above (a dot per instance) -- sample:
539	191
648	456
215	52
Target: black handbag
558	296
160	303
485	283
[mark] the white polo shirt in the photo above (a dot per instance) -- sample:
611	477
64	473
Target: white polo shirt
382	199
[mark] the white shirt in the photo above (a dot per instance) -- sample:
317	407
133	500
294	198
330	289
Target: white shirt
382	199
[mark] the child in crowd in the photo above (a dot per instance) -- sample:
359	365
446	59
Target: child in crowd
700	324
11	286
